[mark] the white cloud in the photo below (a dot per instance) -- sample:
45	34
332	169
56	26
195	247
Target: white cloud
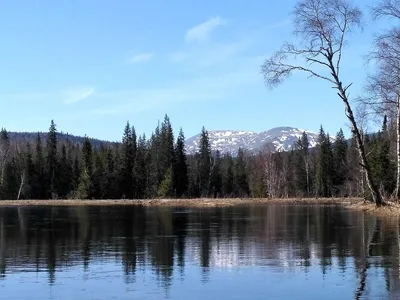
141	57
201	32
77	94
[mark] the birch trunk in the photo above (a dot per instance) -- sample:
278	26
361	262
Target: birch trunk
376	197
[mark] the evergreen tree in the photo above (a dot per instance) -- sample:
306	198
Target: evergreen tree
166	150
166	186
85	186
39	189
340	149
4	153
204	163
181	180
241	185
383	169
216	176
30	172
324	165
52	161
65	173
127	162
228	179
141	168
110	176
302	165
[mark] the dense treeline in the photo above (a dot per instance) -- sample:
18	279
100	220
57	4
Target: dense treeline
158	166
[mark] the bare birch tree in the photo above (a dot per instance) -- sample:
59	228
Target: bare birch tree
383	87
21	169
322	26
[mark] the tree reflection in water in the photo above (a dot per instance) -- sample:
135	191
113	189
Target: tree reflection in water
168	241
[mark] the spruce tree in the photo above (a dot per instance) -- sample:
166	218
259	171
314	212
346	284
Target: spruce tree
40	185
228	179
65	172
382	167
204	163
181	180
324	165
241	183
127	163
166	150
216	176
141	168
302	165
85	186
52	160
340	162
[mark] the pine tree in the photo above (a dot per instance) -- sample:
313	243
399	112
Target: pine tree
204	163
65	173
52	161
181	180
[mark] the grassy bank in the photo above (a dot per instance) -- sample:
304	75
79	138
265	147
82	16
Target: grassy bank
391	209
202	202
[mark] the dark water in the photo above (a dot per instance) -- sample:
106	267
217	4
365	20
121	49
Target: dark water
249	252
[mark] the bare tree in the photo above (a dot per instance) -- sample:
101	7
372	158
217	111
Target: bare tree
383	87
322	26
21	169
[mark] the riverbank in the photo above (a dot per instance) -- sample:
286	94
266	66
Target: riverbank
391	209
201	202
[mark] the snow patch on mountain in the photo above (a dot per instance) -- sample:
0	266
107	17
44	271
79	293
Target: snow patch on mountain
279	139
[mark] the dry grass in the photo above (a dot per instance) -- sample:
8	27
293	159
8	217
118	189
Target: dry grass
202	202
390	209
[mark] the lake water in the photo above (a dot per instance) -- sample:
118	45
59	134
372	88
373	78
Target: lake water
244	252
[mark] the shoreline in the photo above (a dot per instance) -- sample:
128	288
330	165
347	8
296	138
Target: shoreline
390	210
198	202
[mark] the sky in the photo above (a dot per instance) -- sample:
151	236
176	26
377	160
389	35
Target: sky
93	65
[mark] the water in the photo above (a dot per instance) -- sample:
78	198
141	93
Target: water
246	252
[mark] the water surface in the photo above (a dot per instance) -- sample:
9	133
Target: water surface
245	252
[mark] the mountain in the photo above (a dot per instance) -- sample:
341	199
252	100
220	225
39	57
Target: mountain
77	140
275	139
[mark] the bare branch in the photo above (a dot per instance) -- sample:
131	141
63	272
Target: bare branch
386	8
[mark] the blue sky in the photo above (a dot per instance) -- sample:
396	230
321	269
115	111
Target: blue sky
92	65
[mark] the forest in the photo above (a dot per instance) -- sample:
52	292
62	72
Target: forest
158	167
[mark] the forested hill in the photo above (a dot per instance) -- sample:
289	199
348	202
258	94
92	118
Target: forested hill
31	137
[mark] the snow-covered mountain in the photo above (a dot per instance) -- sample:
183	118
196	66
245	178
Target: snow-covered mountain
275	139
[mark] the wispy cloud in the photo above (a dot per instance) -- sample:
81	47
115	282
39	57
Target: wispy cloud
201	32
207	88
78	94
141	57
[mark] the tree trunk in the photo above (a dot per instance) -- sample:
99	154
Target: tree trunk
376	197
398	148
21	185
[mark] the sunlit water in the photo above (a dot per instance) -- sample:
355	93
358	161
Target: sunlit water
246	252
